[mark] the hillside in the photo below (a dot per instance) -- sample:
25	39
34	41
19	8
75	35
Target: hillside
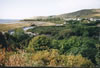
85	13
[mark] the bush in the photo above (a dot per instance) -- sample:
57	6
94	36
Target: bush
49	57
3	43
2	57
66	45
79	45
76	61
55	44
63	34
97	57
19	35
53	58
22	59
41	42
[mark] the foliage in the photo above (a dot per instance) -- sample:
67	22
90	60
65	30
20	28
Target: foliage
39	43
49	19
47	30
3	43
63	34
74	61
84	30
19	35
46	58
76	44
2	57
17	40
53	58
97	57
55	44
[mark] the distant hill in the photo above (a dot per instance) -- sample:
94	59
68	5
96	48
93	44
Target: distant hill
38	17
86	13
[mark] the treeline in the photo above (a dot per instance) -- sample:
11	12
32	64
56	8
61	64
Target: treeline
75	44
49	19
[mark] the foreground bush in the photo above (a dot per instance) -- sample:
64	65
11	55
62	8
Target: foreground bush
39	43
2	57
77	61
47	58
79	45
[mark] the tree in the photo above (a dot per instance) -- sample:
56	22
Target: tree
19	35
79	45
88	48
66	45
78	61
41	42
80	30
97	57
63	34
3	43
55	44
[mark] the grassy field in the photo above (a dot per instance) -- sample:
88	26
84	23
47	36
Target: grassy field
6	27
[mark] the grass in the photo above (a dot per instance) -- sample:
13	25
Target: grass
6	27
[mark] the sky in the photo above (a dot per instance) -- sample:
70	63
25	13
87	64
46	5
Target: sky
19	9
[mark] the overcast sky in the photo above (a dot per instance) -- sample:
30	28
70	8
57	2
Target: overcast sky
18	9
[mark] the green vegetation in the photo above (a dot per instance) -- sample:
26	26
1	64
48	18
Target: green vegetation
39	43
75	44
19	35
49	19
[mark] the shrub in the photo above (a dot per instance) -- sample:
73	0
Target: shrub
41	42
19	35
46	58
21	59
55	44
66	45
63	34
2	57
78	61
3	43
97	57
79	45
53	58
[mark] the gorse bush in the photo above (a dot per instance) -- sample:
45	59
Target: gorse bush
2	57
76	61
47	58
